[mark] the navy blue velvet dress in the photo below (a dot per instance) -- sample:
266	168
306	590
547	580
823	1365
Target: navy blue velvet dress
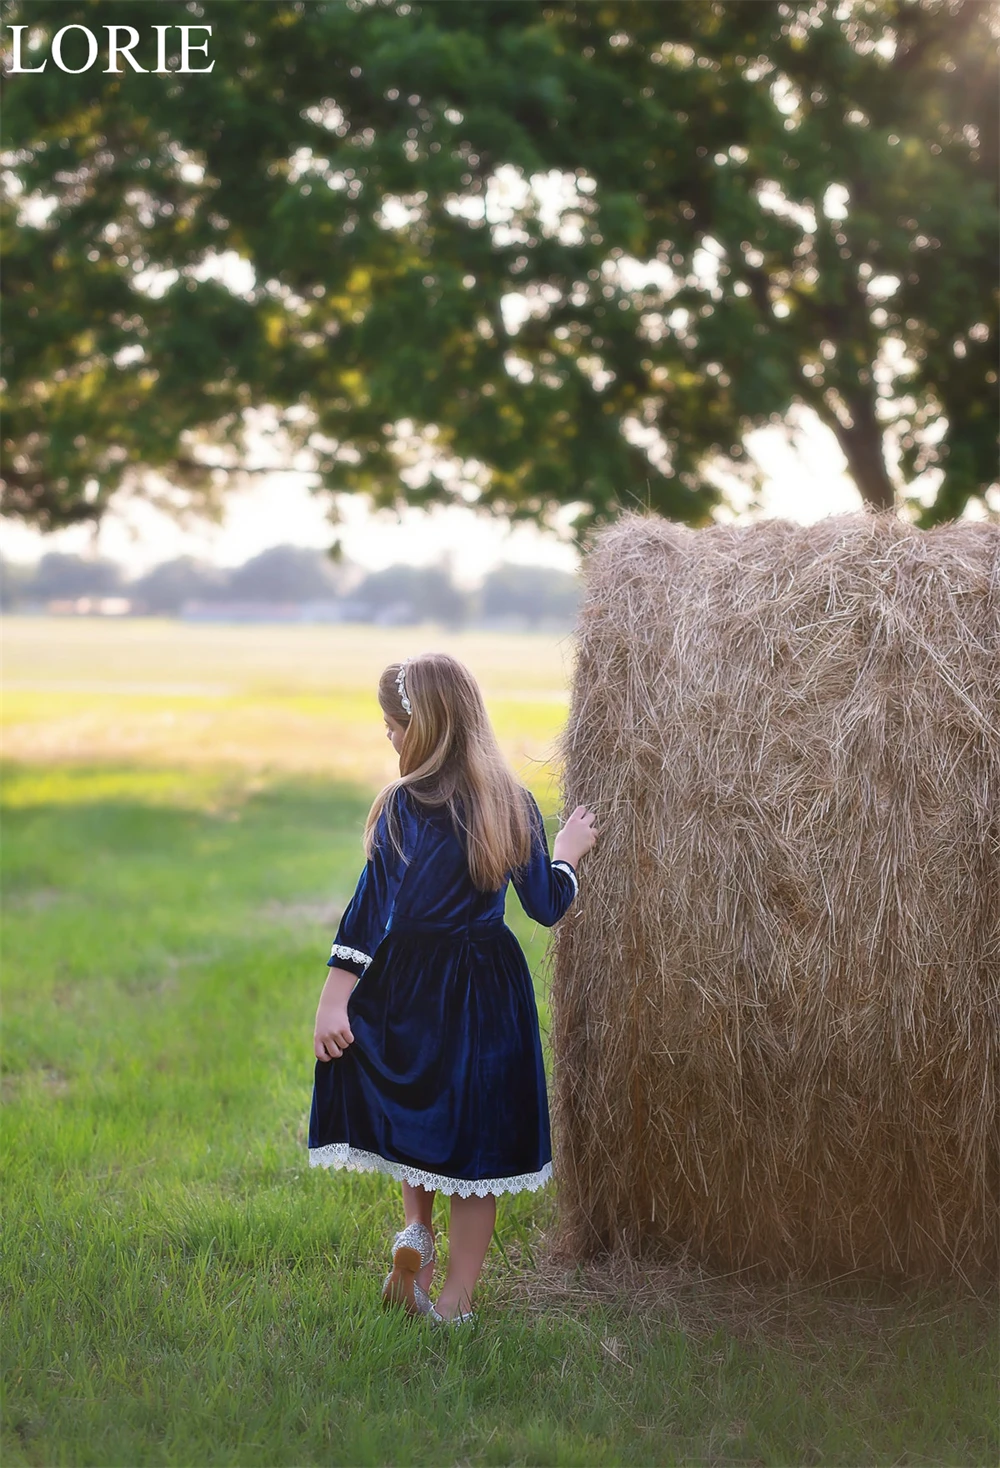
443	1085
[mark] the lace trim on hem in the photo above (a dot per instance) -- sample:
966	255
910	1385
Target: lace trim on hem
564	866
340	950
342	1154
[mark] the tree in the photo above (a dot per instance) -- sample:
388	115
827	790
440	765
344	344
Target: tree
59	576
283	573
166	587
524	255
533	592
14	579
413	594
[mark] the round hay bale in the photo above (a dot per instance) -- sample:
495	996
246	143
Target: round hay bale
776	1010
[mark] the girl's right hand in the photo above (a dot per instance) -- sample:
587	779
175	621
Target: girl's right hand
333	1033
576	837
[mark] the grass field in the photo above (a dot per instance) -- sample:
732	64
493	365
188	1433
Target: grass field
181	829
255	698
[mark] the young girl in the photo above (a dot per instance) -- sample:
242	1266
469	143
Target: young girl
429	1063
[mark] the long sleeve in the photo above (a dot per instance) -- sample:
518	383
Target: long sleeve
363	924
546	888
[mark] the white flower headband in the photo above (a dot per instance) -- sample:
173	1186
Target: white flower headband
401	686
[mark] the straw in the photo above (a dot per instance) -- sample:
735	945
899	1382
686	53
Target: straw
776	1008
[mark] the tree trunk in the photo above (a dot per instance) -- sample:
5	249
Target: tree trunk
862	446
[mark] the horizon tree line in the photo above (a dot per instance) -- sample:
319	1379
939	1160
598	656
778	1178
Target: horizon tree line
287	574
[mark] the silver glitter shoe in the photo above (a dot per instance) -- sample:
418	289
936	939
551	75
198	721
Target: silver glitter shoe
464	1317
412	1249
421	1301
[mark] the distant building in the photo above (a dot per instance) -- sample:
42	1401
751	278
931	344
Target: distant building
263	611
90	606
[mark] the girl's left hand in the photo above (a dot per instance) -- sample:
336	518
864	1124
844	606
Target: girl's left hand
333	1033
577	836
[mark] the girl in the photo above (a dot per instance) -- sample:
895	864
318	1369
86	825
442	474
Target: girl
429	1064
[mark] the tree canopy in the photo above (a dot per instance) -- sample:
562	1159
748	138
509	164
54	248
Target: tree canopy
517	255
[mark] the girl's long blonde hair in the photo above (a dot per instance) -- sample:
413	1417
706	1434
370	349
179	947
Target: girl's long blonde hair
450	758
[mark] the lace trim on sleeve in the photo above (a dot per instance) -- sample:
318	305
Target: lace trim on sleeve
340	950
564	866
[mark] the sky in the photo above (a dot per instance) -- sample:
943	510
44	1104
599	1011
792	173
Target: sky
805	482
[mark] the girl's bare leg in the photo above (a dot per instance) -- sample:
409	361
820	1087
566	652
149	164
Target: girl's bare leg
472	1221
418	1207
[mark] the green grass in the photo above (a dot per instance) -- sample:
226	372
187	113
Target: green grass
180	1288
256	698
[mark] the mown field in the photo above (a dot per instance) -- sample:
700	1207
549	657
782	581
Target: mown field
182	809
